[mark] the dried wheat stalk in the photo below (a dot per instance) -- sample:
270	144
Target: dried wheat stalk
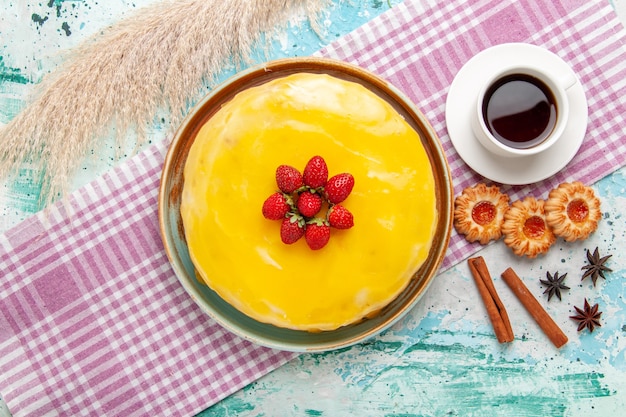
159	58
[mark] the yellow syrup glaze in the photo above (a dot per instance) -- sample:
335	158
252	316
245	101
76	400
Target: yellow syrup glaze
230	172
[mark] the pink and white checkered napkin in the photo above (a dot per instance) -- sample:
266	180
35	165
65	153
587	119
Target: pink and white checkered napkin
93	320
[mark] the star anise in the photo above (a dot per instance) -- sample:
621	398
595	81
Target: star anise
596	267
554	284
588	317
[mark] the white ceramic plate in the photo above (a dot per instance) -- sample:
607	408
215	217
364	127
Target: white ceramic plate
461	102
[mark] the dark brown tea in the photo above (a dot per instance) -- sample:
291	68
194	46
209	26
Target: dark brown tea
519	110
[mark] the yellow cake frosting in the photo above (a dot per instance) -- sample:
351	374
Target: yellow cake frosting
230	172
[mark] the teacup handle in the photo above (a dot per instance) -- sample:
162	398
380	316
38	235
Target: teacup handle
566	80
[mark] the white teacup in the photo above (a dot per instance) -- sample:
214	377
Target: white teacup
522	110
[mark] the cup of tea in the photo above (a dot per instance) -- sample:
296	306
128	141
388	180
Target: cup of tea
522	110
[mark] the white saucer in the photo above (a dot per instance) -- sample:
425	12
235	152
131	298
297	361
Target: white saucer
461	102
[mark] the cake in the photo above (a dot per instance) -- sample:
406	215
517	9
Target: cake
230	171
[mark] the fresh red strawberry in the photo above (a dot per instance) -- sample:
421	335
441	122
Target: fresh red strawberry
309	204
340	217
317	233
315	172
276	206
339	187
288	179
291	229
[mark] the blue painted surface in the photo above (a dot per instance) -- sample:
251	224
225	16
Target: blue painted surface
442	358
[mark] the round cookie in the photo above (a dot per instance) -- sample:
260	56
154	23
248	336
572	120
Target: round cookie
479	213
573	211
525	228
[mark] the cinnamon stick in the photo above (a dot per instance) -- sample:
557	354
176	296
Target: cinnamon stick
495	308
549	327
